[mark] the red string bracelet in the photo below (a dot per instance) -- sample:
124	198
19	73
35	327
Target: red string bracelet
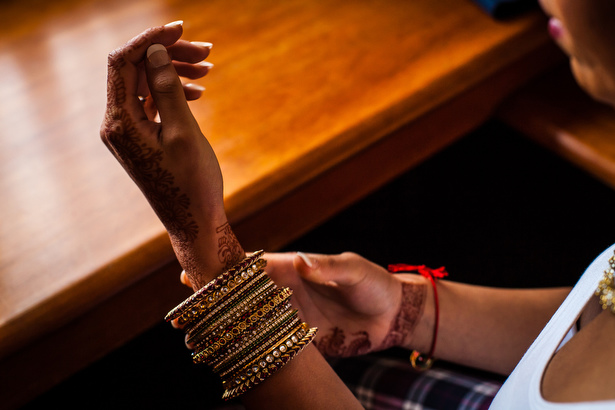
419	360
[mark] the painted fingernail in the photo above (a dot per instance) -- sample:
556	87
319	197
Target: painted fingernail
306	259
202	44
157	55
556	29
175	23
195	87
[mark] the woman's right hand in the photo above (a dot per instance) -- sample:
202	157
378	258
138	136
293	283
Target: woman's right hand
357	305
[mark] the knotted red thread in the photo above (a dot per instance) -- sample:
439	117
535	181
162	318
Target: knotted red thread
419	360
422	269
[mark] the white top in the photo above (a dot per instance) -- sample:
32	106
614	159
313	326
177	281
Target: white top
522	388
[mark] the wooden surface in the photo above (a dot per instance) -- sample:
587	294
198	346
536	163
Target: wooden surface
554	111
303	94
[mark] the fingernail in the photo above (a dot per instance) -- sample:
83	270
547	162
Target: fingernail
157	55
175	23
202	44
332	284
306	259
195	87
556	29
205	64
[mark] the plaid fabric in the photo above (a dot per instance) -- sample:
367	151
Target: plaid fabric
385	383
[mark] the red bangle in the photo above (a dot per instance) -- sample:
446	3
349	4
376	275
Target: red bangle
419	360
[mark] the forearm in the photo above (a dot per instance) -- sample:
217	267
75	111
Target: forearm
177	170
487	328
307	382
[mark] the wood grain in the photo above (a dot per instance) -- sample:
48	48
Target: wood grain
554	111
298	88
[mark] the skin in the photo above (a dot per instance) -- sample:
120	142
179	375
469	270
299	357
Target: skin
358	306
170	160
177	171
581	370
353	301
584	30
333	292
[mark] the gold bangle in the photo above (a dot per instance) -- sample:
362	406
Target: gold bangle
233	354
207	348
263	369
224	307
233	312
243	325
259	359
251	343
216	283
248	352
233	331
235	284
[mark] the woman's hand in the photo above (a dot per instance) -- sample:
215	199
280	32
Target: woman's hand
357	305
170	159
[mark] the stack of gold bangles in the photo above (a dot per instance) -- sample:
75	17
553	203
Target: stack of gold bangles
242	325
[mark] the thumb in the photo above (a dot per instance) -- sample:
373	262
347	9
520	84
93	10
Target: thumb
327	270
166	88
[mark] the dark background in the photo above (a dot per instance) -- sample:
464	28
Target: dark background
494	208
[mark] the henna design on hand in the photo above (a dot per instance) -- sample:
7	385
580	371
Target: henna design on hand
229	248
413	297
143	164
116	89
333	344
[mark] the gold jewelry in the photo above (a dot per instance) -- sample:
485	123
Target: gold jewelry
234	363
262	335
606	287
228	307
243	325
217	283
234	312
267	352
235	283
269	363
234	346
233	331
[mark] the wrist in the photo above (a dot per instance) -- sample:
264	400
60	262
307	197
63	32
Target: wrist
408	329
423	361
420	338
214	250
